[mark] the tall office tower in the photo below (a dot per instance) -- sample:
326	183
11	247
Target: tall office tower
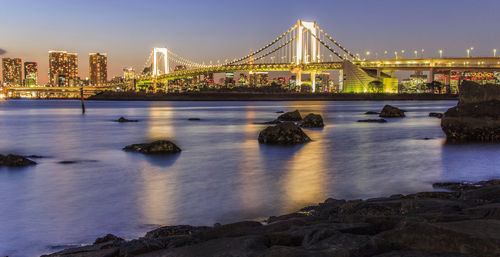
128	73
30	74
98	68
63	68
12	71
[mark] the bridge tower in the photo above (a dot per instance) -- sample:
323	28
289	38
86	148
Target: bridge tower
160	64
307	50
159	55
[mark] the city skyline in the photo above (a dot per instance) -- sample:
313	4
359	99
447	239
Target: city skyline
202	31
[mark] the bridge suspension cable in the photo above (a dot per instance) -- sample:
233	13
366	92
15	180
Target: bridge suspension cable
325	45
275	50
263	48
336	43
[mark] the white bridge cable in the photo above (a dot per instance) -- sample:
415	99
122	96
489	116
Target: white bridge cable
336	43
325	45
185	61
275	50
263	48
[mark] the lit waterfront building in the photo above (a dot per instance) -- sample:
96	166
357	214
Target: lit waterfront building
258	79
322	82
30	74
63	68
12	71
128	73
98	68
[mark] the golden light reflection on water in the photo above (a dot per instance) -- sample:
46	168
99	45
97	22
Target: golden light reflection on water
251	172
305	180
157	194
160	123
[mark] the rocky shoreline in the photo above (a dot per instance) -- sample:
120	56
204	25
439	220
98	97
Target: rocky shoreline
458	219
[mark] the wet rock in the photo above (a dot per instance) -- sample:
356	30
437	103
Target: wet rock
290	116
371	113
455	186
436	115
374	120
489	193
122	119
391	112
174	231
229	246
312	121
471	237
476	118
194	119
140	246
13	160
108	238
156	147
34	156
280	112
286	133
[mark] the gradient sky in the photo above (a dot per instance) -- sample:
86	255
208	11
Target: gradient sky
204	30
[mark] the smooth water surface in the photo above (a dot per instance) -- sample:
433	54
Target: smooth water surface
222	175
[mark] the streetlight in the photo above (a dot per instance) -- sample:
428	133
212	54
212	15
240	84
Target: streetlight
396	54
385	53
367	54
422	53
494	52
468	53
331	57
416	54
471	48
440	53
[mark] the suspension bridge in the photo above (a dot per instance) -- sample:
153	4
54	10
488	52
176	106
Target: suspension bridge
307	49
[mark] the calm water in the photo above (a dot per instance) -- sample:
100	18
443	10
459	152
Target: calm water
222	175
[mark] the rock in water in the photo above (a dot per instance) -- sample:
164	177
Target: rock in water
374	120
156	147
122	119
312	121
436	115
13	160
285	133
391	112
476	117
371	113
290	116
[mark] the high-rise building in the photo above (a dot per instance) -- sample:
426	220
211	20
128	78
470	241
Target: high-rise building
30	74
128	73
12	71
98	68
63	68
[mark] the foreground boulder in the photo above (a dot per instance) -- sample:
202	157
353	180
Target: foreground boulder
122	119
290	116
391	112
286	133
436	115
459	223
13	160
312	121
476	118
156	147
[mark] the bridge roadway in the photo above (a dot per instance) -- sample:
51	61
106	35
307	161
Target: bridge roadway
435	65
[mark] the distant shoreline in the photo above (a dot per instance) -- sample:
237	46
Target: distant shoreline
243	96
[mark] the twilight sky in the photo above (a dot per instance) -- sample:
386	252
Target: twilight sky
204	30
